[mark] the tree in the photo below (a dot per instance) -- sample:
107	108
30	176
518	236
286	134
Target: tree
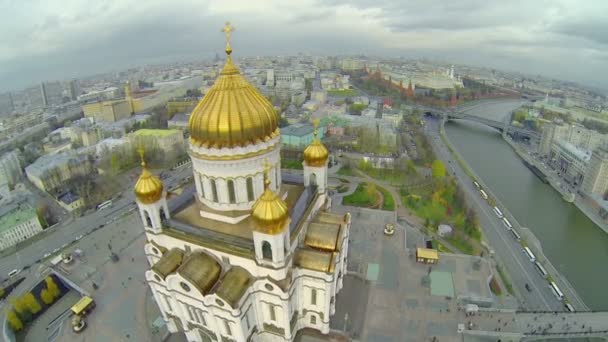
371	190
13	320
114	163
438	169
46	297
411	168
31	303
471	220
52	287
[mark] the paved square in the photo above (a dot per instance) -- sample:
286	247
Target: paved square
442	284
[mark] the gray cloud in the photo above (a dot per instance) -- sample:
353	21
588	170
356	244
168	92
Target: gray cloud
56	39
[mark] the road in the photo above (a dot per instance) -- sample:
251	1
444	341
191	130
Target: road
67	232
507	250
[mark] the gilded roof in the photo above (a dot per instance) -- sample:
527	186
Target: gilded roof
427	253
269	212
233	285
322	236
316	153
233	113
314	260
326	217
169	262
201	270
148	188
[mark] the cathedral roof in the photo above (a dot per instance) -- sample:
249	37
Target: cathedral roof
233	113
316	153
315	260
322	236
201	270
269	212
148	188
169	262
233	285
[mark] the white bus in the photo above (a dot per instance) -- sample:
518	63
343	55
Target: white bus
569	307
483	194
541	269
104	205
498	212
515	234
530	254
476	184
507	223
556	291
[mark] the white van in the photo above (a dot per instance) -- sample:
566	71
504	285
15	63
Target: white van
14	272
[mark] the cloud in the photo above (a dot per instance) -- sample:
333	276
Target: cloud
57	39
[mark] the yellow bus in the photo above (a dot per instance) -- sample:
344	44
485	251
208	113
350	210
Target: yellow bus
84	306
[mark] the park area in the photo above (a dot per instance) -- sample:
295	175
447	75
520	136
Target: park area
369	195
443	202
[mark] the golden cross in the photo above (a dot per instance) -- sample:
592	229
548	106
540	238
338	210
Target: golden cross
141	151
228	29
267	167
315	125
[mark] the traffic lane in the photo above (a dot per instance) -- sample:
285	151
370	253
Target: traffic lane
534	278
512	248
510	253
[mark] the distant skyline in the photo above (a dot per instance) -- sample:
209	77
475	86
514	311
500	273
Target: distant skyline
49	40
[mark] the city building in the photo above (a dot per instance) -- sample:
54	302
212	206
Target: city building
115	110
170	142
109	93
596	178
575	134
18	222
10	169
50	172
70	201
299	135
73	89
551	132
179	121
249	254
180	105
51	93
570	160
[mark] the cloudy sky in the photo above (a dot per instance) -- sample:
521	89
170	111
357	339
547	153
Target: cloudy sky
60	39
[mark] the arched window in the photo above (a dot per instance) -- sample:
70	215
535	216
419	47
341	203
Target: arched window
213	190
250	196
313	179
163	217
202	183
313	319
148	220
266	250
231	195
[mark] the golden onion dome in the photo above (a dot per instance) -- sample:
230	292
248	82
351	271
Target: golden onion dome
269	212
233	113
148	188
316	153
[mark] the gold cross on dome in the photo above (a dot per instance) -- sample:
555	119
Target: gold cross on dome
228	29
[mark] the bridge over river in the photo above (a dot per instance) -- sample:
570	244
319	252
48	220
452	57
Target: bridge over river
509	325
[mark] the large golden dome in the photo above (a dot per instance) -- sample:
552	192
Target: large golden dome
269	212
316	153
148	188
233	113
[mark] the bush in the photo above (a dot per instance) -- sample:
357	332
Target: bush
495	287
13	320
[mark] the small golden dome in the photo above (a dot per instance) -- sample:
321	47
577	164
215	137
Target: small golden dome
269	212
233	113
316	153
148	188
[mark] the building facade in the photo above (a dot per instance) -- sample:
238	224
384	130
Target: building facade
50	172
10	169
570	160
245	255
596	178
18	222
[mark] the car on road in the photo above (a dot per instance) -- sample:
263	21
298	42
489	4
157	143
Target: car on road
14	272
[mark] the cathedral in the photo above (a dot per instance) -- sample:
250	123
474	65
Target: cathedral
246	253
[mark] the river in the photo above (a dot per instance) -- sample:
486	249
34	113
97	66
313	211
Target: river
573	243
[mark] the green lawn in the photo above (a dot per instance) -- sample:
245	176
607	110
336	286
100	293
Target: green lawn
346	171
360	198
345	92
389	201
291	164
505	281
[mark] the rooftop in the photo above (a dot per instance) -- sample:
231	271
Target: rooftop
156	132
298	130
15	214
190	214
